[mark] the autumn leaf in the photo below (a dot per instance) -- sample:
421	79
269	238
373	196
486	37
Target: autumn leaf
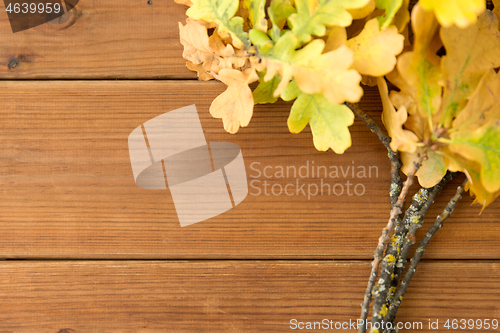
402	17
457	163
391	7
362	12
470	53
198	68
461	13
482	146
257	14
430	172
184	2
401	139
235	105
496	9
483	105
327	73
221	12
278	61
419	69
197	48
375	50
313	16
337	36
278	12
329	122
264	93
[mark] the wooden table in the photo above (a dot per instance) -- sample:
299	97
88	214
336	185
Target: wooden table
87	250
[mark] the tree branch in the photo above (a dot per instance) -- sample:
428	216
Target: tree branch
404	235
421	248
395	211
394	192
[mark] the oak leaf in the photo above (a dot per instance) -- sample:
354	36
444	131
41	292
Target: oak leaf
419	71
313	16
470	53
375	50
264	93
329	122
222	13
328	73
430	172
184	2
235	105
256	14
401	139
391	8
461	13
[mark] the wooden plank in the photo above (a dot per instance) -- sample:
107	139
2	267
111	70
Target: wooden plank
67	189
227	296
100	39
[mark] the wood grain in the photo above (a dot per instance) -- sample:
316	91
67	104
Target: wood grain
67	189
227	296
100	40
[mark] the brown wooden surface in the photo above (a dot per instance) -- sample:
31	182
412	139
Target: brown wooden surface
68	191
101	39
227	296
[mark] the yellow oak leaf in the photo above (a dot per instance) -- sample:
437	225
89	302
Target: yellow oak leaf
430	172
457	163
337	36
235	105
198	68
401	139
419	70
455	12
481	145
483	105
402	17
496	9
197	46
375	50
328	73
184	2
359	13
470	53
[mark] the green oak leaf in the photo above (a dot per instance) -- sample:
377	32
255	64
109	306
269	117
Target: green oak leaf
313	16
391	8
265	90
329	122
278	12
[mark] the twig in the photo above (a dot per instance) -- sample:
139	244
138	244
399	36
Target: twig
420	250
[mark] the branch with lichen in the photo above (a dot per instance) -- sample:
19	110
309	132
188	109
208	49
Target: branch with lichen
379	251
401	290
404	235
397	194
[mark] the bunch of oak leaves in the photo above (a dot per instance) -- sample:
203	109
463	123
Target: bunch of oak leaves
443	117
